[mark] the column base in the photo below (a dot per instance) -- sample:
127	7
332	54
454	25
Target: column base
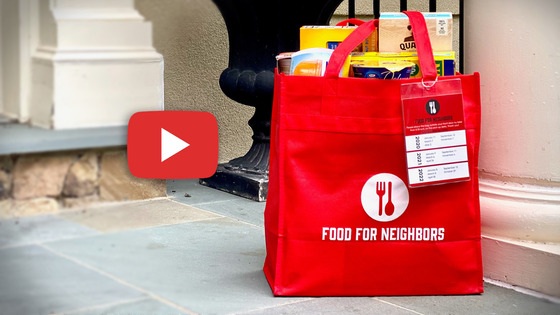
523	264
247	184
520	235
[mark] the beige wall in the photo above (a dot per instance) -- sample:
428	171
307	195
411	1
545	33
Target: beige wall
192	37
519	148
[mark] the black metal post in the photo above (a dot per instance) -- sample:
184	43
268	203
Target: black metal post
433	5
403	5
461	36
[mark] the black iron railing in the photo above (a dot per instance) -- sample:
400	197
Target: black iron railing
404	6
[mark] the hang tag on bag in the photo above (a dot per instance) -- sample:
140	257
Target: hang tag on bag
435	135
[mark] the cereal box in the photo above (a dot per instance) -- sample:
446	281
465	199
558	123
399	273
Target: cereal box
320	36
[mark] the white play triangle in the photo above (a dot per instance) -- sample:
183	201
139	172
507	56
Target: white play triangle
170	144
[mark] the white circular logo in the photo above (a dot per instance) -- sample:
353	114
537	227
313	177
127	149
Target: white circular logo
384	197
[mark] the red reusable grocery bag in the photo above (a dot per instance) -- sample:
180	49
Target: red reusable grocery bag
334	140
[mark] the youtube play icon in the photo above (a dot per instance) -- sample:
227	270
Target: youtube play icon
172	144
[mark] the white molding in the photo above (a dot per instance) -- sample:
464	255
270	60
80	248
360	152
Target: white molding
1	67
98	14
50	54
520	211
20	21
524	264
521	234
95	65
29	40
88	93
21	139
523	290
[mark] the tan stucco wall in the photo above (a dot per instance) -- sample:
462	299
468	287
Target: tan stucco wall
192	37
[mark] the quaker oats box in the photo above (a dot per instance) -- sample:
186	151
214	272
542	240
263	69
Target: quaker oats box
395	32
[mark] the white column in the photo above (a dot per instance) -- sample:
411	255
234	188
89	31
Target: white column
95	65
514	46
18	19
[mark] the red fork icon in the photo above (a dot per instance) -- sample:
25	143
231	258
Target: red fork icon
380	190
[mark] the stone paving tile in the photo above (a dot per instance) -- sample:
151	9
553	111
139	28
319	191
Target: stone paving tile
241	209
38	229
209	267
178	254
33	280
135	215
136	307
494	300
198	194
341	305
235	207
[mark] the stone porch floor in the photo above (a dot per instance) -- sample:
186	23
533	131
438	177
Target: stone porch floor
201	254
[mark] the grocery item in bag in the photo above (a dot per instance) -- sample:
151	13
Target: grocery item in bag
395	32
324	36
313	62
310	62
284	62
445	61
383	69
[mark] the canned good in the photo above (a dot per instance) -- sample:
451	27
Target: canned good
284	62
383	70
309	68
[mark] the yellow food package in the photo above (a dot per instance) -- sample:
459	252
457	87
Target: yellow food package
445	61
320	36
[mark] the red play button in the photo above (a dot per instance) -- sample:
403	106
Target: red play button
172	144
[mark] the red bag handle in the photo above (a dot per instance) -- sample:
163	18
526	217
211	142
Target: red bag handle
346	47
419	30
423	45
351	21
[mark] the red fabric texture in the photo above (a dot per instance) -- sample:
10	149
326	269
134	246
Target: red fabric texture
329	136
